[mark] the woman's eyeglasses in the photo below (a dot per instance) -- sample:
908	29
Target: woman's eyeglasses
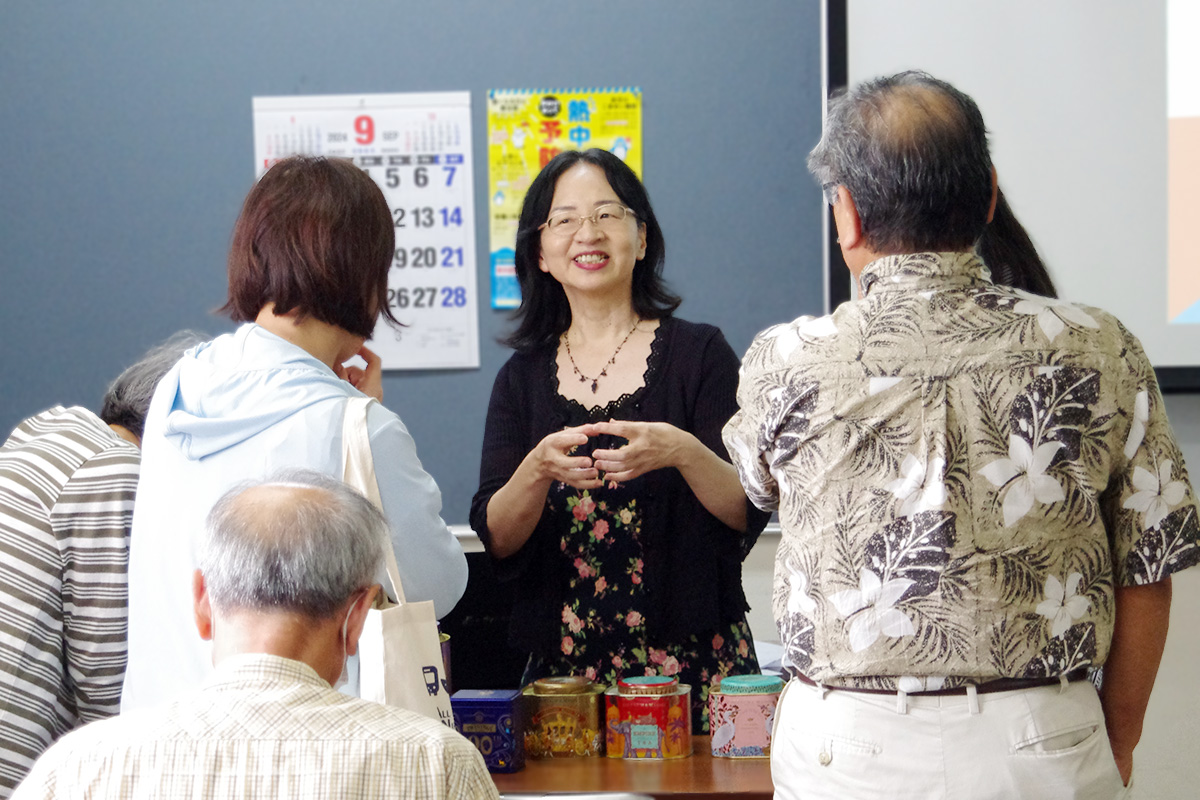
606	217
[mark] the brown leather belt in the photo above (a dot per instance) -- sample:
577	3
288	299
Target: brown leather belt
994	685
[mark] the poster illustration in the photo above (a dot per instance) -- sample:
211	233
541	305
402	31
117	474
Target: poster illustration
527	128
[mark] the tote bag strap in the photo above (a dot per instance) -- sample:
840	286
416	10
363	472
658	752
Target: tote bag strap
358	470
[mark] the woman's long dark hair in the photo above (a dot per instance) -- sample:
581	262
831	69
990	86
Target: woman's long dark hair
1011	255
544	314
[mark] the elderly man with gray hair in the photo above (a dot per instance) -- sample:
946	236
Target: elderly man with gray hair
284	584
980	495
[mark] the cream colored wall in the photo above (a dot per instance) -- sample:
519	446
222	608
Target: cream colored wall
1165	762
758	571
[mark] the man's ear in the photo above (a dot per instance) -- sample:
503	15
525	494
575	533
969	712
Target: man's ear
201	607
995	194
845	217
357	617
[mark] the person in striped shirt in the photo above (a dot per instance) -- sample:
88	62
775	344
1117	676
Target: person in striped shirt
67	483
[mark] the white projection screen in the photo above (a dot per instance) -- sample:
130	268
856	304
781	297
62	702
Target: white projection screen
1077	98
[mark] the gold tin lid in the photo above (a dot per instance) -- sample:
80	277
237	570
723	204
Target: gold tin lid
566	684
648	684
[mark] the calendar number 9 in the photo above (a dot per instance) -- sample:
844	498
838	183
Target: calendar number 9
364	129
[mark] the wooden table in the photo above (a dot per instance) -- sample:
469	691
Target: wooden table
699	776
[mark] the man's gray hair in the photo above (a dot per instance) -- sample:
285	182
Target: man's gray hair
128	397
304	551
912	151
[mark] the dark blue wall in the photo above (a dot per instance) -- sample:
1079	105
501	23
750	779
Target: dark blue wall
125	152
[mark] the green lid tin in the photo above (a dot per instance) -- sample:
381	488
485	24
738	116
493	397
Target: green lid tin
750	684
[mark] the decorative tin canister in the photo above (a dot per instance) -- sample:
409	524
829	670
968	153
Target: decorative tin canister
741	712
649	718
494	721
564	718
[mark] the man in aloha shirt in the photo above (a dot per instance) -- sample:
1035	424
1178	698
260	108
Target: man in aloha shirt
980	495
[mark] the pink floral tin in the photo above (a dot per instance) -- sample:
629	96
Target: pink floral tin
741	713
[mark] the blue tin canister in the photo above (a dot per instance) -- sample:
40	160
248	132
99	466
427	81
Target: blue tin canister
494	721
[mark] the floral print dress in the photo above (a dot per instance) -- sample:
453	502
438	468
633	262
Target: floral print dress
604	613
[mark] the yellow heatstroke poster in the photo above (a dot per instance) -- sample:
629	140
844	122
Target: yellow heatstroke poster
527	128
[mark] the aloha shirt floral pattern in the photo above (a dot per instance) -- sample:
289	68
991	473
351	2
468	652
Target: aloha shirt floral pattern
964	473
604	630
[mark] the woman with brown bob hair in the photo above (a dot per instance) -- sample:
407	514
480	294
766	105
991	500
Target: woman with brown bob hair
330	260
308	273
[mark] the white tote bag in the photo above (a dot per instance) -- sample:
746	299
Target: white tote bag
399	655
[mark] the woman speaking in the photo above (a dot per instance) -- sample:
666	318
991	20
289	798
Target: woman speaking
605	490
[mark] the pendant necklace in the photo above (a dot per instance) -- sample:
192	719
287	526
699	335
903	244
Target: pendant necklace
604	372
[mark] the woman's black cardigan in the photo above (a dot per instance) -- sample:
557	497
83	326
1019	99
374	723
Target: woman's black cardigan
692	561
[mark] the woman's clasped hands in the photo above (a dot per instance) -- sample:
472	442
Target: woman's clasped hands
649	446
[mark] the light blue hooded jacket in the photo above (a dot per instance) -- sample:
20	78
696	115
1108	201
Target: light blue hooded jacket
243	406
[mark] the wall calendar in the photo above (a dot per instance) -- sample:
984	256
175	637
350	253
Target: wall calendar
417	148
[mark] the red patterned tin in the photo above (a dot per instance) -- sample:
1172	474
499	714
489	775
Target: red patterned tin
649	718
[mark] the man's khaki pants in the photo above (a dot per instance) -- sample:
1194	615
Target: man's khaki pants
1043	742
